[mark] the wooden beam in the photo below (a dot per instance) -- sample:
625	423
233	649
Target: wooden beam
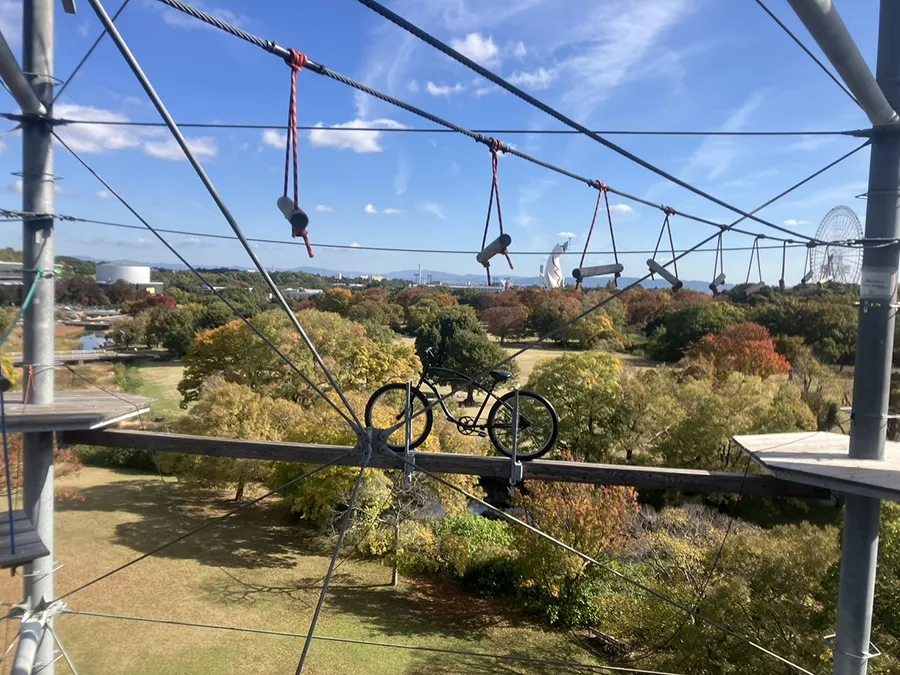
687	480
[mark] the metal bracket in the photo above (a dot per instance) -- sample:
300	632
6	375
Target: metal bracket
873	652
68	6
516	472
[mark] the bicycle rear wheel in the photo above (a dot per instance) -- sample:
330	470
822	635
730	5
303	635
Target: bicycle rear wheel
538	425
387	407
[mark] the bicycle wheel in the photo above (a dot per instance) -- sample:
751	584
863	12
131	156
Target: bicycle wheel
387	407
538	425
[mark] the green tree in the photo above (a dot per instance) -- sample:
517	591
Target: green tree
180	326
455	339
585	391
675	330
335	300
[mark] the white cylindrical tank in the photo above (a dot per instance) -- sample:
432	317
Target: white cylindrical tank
108	273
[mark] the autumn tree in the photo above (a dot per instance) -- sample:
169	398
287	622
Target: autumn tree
505	321
745	348
235	352
672	332
585	391
591	519
335	300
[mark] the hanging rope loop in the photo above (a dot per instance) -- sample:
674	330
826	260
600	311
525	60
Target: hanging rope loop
496	147
718	267
754	255
669	211
781	282
602	193
296	216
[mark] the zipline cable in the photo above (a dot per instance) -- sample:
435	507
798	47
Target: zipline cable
11	215
204	281
429	39
277	50
64	121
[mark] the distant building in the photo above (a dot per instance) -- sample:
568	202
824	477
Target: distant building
300	293
137	275
10	274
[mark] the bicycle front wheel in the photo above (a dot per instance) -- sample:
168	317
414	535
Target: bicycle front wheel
538	425
387	407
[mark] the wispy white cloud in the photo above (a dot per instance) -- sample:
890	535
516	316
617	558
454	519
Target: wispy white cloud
615	40
401	176
274	138
354	245
97	138
371	210
477	47
793	222
520	51
434	209
810	143
103	194
321	208
715	154
204	147
537	79
191	241
621	208
357	141
178	19
413	86
566	235
443	89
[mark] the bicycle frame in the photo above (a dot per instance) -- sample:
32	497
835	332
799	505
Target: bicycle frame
489	393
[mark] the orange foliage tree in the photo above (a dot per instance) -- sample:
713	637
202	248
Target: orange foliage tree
745	348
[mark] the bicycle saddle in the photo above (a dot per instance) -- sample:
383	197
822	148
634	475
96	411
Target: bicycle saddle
500	375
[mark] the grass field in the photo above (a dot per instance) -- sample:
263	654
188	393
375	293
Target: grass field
67	338
159	381
115	516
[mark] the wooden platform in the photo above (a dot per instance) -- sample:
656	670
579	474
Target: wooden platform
28	545
823	459
73	410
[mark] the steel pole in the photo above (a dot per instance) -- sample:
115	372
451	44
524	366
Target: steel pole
823	22
872	377
39	319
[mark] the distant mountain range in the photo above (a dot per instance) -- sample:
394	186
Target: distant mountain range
436	276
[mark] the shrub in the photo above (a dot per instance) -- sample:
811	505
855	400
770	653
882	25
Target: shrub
116	458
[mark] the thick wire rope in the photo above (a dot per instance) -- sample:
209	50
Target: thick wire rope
809	53
439	399
624	577
62	121
206	525
75	71
348	516
371	643
8	215
163	112
429	39
203	279
277	50
62	650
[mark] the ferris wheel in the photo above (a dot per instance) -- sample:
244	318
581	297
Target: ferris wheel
835	261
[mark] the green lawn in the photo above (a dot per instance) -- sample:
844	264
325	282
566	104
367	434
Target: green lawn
115	516
159	381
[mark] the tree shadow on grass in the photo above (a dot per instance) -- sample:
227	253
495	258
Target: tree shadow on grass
261	536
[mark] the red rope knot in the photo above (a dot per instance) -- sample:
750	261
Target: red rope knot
603	187
497	146
296	60
668	210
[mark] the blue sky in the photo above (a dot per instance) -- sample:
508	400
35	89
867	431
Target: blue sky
616	64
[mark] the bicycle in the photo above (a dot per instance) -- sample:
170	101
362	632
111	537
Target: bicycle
538	421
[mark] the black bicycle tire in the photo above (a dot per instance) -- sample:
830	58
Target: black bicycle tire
554	436
429	414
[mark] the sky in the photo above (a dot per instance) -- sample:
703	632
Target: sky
668	65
